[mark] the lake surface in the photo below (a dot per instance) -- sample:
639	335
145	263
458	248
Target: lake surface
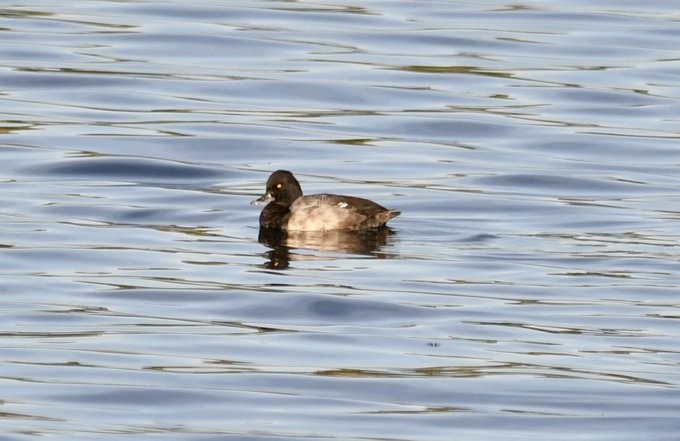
528	291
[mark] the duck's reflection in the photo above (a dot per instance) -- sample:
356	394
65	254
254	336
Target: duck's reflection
282	243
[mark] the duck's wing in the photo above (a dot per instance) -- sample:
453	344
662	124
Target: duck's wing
336	212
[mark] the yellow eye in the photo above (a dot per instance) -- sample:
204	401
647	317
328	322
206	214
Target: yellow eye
279	185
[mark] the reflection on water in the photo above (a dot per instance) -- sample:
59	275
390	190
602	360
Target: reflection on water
528	291
284	243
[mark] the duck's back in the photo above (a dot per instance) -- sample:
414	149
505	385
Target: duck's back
334	212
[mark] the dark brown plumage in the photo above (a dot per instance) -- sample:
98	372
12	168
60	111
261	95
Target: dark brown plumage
288	209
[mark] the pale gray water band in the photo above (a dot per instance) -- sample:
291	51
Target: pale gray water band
528	291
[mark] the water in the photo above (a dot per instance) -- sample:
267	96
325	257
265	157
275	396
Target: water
529	290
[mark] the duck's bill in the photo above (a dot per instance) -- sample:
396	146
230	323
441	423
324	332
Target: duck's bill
264	199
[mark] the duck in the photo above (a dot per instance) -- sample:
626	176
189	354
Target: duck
287	209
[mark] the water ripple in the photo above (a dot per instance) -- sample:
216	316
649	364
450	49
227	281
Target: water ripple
529	287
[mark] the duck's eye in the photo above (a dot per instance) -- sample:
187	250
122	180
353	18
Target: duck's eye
279	185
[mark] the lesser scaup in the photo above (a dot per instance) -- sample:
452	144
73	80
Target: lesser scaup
288	209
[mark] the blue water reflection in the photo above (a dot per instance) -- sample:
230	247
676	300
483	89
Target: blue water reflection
528	290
